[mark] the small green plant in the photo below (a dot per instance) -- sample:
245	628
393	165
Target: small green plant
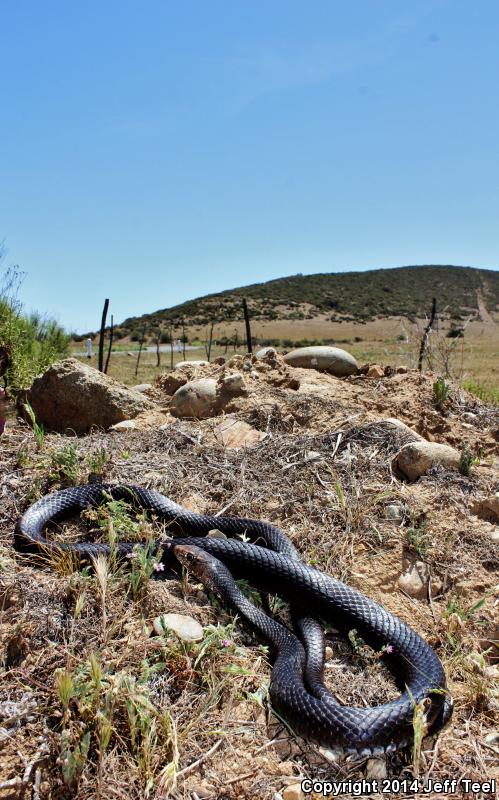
97	462
38	430
441	391
419	538
65	465
145	560
467	461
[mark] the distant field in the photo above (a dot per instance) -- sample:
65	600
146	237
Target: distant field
391	341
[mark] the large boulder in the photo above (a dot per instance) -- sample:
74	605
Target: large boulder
416	458
327	359
72	396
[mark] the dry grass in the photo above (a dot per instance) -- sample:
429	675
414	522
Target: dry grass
94	706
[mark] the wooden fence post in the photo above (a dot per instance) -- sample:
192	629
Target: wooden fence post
249	344
110	344
101	336
140	349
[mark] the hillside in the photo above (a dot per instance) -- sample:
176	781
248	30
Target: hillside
346	296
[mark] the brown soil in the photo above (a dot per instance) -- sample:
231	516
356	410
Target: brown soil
322	474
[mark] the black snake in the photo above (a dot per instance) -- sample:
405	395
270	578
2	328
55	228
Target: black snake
270	562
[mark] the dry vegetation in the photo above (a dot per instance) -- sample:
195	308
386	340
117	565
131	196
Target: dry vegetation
93	705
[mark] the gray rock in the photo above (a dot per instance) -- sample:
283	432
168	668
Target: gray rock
195	399
232	384
416	458
186	628
414	582
142	387
182	364
266	351
124	426
327	359
73	396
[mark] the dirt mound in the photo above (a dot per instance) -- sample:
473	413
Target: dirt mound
95	704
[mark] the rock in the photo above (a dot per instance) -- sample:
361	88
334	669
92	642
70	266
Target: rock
488	508
292	792
469	415
403	428
375	371
328	359
186	628
195	399
493	535
124	426
394	511
414	582
376	769
328	653
142	387
73	396
265	352
234	433
171	381
416	458
182	364
232	384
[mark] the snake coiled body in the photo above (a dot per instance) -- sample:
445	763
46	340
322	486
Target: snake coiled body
270	562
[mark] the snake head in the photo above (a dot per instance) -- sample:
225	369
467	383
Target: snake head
197	561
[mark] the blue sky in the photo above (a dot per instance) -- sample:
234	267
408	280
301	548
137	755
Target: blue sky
153	152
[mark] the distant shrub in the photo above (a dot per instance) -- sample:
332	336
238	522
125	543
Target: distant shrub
455	333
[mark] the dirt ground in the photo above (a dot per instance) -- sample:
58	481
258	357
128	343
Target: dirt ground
95	704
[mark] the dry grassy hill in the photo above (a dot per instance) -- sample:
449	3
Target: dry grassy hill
461	292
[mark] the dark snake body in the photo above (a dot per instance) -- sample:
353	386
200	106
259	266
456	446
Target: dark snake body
270	562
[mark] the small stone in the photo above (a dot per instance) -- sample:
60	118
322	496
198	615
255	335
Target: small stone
142	387
414	582
493	534
394	511
125	425
376	769
182	364
329	653
469	416
492	738
232	384
375	371
292	792
329	755
488	508
235	433
186	628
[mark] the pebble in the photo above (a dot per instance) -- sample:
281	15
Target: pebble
375	371
292	792
125	425
394	511
376	769
414	582
186	628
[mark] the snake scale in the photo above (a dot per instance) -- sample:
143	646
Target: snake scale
270	562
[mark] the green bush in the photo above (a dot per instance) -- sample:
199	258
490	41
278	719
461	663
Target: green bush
32	342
